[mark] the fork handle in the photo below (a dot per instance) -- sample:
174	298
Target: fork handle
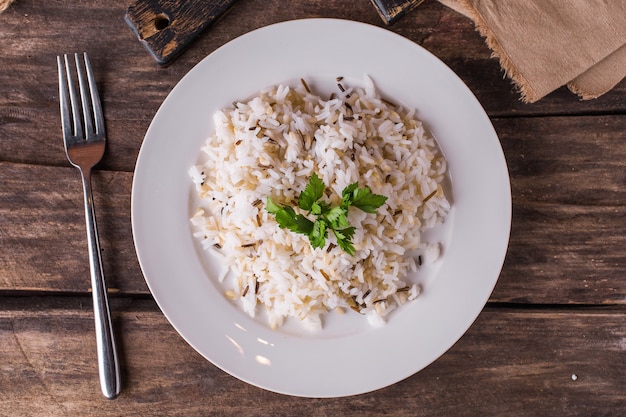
108	365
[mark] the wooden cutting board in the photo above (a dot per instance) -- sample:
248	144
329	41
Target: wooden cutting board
392	10
166	27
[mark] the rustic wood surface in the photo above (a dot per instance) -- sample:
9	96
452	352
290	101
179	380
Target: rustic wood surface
550	341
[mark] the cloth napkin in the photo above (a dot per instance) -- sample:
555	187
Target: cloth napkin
4	4
545	44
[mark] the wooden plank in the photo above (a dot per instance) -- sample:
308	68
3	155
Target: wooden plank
511	362
566	160
565	255
133	87
42	222
569	218
558	189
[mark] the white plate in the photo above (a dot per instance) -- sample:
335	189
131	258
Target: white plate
347	357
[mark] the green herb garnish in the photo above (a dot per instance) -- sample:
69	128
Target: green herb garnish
326	217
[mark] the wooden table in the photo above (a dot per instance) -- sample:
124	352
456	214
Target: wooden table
551	341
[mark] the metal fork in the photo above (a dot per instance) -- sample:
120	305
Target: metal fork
84	137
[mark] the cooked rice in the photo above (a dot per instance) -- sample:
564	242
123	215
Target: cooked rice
270	146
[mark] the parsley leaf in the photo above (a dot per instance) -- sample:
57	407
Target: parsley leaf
302	225
287	218
320	207
319	234
272	207
344	239
347	194
313	191
362	198
326	216
337	217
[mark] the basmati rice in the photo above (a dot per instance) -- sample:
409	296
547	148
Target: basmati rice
269	146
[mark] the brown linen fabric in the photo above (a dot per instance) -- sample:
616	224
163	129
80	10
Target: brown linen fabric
545	44
4	4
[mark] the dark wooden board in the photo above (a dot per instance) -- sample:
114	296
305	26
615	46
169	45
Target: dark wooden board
392	10
511	362
166	27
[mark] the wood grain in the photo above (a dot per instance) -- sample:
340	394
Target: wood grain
567	239
166	27
392	10
42	222
550	342
569	209
509	363
133	87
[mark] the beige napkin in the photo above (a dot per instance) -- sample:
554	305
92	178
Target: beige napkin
4	4
544	44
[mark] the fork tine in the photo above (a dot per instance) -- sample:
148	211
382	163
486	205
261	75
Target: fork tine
95	98
76	116
66	120
85	100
